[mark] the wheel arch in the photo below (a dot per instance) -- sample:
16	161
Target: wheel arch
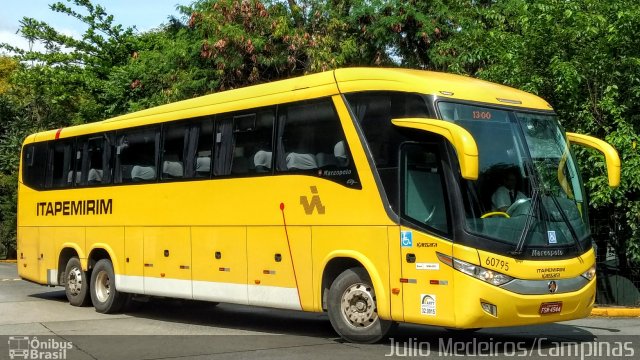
102	251
339	261
68	251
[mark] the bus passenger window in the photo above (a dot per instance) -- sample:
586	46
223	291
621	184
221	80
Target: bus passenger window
136	155
203	155
89	160
76	164
95	161
174	150
34	164
311	141
60	165
254	138
244	143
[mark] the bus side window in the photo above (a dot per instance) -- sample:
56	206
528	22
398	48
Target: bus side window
311	141
374	111
136	154
60	172
174	150
203	132
423	191
34	164
109	157
90	163
78	158
243	143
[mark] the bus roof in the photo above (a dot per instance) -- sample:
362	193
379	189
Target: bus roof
322	84
436	83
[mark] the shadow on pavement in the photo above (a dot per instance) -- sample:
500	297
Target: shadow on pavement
237	317
55	295
248	318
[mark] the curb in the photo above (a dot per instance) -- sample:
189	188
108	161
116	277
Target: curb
615	312
9	261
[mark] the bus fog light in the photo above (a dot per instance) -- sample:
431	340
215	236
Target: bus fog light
489	308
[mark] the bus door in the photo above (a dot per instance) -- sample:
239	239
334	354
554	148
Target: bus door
427	284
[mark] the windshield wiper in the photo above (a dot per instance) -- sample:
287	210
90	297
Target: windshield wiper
537	208
536	197
535	200
535	204
569	225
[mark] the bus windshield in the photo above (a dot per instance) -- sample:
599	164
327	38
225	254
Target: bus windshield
528	192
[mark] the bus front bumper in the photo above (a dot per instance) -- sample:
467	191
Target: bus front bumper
482	305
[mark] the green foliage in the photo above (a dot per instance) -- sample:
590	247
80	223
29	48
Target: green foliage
405	33
8	211
7	67
11	135
60	86
226	44
579	55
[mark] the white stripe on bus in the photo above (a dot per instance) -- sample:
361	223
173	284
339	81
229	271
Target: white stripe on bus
259	295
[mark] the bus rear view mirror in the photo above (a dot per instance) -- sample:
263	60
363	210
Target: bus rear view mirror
460	138
609	152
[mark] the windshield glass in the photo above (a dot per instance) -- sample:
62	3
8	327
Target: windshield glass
528	191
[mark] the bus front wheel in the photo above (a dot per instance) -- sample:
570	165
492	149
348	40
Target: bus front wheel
106	299
353	309
76	283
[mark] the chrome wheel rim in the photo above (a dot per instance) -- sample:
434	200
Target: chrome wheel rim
102	286
75	281
358	305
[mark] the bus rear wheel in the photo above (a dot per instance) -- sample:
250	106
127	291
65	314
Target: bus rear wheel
76	283
353	310
106	299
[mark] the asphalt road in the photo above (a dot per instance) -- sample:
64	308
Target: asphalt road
39	319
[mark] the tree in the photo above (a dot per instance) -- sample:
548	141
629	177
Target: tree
60	86
579	55
8	139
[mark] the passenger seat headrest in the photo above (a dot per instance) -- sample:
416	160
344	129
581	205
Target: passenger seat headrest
262	158
340	152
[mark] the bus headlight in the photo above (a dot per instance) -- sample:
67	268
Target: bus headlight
590	274
486	275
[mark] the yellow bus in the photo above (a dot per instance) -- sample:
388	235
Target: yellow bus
375	195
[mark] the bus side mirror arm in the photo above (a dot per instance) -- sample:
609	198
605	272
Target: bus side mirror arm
610	154
460	138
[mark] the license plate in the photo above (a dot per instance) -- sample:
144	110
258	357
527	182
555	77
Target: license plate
551	308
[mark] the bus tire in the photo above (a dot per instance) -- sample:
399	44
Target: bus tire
353	310
76	283
106	299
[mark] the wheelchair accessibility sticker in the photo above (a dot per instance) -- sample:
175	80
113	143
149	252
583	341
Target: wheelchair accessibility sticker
406	238
551	235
